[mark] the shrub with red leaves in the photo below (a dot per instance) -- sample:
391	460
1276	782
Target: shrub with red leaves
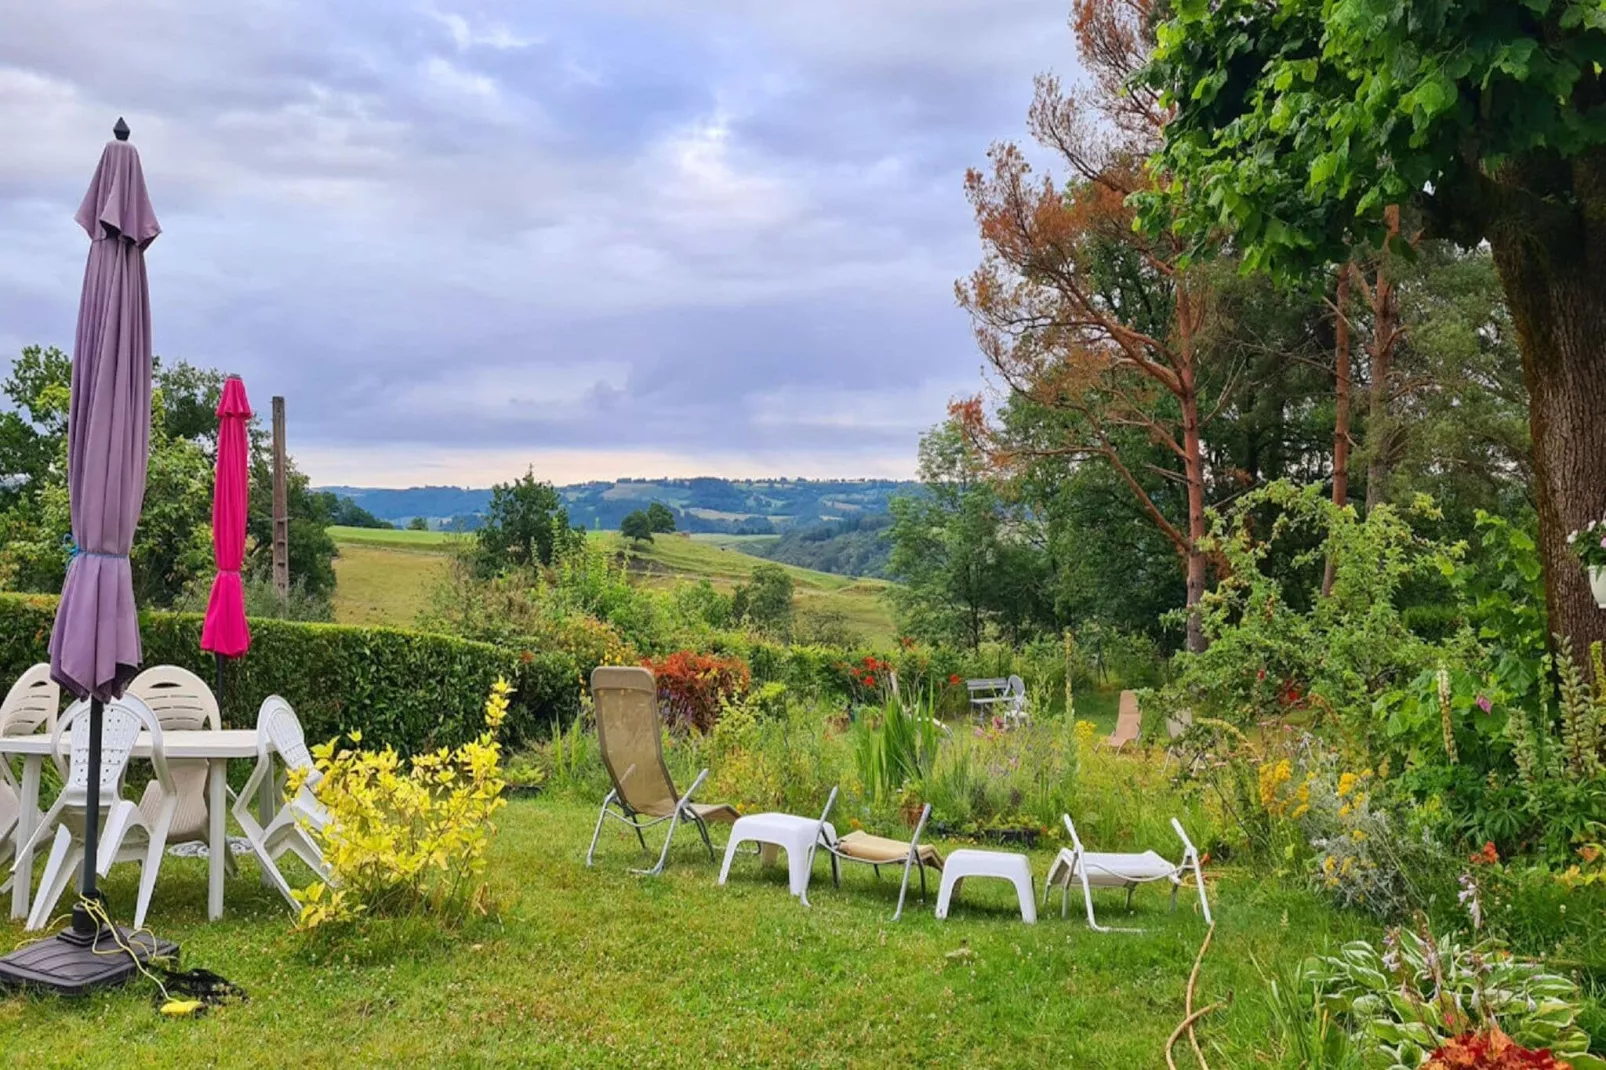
1492	1051
691	686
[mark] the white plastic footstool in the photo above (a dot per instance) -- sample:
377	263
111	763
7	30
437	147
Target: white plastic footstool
789	832
1015	868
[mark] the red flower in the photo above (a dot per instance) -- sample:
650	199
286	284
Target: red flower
956	679
1261	675
1488	856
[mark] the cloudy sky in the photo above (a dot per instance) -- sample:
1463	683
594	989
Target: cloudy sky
606	237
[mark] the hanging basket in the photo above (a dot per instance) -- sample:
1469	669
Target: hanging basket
1597	583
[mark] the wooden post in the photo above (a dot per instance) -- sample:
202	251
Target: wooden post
281	506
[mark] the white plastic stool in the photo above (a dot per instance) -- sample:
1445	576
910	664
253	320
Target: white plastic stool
789	832
1015	868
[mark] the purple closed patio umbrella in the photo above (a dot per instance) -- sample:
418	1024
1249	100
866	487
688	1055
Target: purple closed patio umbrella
94	647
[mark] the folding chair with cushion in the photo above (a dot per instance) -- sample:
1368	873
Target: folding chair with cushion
289	829
1108	870
30	706
130	834
631	737
878	851
182	703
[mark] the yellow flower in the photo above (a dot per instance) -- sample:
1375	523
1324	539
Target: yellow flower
1346	784
1359	836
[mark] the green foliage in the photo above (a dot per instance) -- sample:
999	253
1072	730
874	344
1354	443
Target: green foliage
1296	125
418	523
895	747
765	601
1277	644
525	525
636	527
409	690
660	519
1421	991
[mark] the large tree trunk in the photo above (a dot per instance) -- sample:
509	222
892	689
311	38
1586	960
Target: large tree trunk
1341	406
1557	298
1380	429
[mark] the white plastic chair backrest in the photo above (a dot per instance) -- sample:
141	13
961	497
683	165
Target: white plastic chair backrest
121	722
278	726
1076	841
1017	687
31	704
180	699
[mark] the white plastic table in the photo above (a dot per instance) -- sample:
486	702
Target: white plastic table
215	747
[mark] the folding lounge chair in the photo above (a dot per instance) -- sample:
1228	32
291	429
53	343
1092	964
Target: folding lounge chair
1104	870
1128	722
878	851
631	737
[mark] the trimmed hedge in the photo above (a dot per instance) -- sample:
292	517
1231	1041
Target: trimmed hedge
411	690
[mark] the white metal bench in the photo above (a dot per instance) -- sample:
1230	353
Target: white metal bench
1004	696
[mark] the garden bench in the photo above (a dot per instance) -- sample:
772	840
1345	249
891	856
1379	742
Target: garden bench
1004	695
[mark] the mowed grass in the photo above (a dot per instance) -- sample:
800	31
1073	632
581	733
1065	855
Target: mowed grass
384	576
376	584
601	968
672	558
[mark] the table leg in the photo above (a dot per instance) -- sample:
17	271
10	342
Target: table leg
217	838
267	800
27	821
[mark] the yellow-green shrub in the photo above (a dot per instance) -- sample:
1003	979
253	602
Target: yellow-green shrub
406	842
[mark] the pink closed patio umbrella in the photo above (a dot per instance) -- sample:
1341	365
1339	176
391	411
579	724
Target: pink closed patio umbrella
225	632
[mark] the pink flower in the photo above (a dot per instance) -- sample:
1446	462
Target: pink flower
1484	703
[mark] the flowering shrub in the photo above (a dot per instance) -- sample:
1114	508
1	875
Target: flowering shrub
1421	997
693	687
1589	543
405	842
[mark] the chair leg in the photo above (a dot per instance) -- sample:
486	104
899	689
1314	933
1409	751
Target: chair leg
640	836
836	870
66	855
730	853
663	856
903	889
1129	890
147	879
596	834
922	884
702	828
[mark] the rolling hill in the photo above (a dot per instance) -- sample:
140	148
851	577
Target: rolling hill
725	506
384	576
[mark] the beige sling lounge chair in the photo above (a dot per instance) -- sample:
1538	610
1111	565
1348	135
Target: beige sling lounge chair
878	851
631	737
1128	722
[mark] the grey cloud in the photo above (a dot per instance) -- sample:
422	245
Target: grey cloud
700	229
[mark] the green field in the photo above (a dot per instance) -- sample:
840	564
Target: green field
384	575
600	968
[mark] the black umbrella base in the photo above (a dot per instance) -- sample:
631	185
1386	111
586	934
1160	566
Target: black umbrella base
74	964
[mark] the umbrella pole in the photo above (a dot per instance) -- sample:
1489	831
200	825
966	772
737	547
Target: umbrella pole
219	689
82	920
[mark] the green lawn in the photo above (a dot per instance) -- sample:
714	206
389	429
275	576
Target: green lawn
383	584
429	541
602	968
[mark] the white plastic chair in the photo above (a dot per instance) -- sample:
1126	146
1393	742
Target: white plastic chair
30	706
182	703
1111	870
279	733
130	833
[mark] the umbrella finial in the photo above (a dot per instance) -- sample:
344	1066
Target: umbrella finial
120	131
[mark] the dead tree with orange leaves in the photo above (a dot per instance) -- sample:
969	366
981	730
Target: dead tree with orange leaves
1077	312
